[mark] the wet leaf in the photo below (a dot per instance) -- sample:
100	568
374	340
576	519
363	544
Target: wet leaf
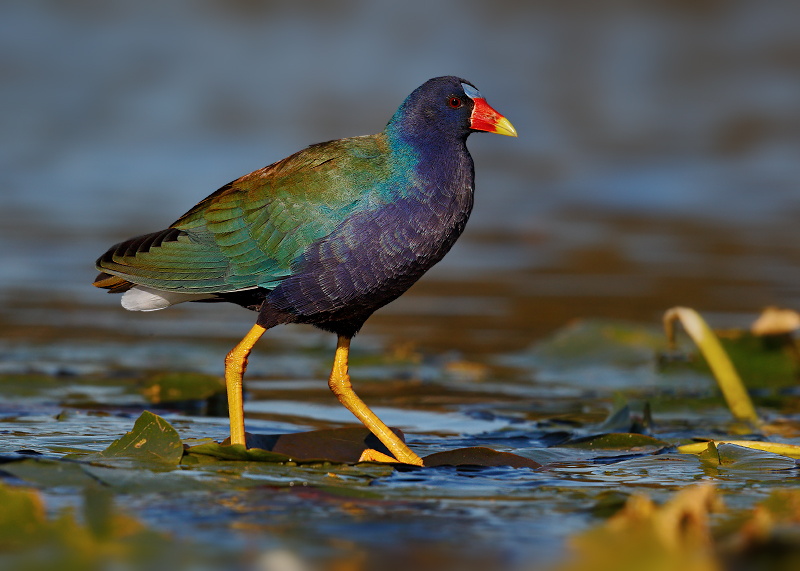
790	450
152	441
478	456
50	473
236	452
340	445
618	420
617	441
709	456
736	457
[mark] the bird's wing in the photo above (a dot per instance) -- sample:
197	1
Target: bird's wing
248	233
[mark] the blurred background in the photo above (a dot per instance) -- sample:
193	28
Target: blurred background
656	165
657	162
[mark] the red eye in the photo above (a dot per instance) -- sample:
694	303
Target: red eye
455	102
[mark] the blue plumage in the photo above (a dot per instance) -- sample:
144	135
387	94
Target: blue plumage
324	237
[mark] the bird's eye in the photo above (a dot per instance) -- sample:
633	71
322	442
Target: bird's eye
455	102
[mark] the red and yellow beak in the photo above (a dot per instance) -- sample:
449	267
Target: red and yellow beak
484	118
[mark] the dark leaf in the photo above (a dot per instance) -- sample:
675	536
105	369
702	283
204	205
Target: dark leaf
617	441
478	456
340	445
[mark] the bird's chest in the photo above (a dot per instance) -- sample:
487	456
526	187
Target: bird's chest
376	255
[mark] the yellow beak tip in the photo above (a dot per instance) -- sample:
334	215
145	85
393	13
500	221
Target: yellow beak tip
504	127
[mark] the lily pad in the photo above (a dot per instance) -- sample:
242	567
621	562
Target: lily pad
152	441
338	445
617	441
478	456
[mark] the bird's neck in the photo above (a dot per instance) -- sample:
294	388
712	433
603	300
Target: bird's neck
438	158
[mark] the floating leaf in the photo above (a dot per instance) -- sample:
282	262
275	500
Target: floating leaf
152	441
791	450
236	452
733	457
617	441
709	456
478	456
724	372
49	473
339	445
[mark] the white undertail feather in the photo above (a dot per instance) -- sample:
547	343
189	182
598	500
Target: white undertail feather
141	298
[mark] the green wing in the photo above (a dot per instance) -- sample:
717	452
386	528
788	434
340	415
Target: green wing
249	232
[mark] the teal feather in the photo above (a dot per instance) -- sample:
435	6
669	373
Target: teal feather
250	231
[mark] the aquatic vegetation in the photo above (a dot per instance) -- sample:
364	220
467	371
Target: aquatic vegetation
598	421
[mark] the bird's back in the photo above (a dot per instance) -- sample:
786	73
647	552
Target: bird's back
350	223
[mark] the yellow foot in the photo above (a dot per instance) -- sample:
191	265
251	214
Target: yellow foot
340	385
235	365
370	455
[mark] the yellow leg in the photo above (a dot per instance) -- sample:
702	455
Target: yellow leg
235	366
341	387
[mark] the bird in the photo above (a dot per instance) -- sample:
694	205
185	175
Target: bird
323	237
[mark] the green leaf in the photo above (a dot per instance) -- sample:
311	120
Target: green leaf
152	441
175	387
21	517
710	455
618	441
235	452
736	457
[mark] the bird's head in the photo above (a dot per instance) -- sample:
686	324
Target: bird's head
451	105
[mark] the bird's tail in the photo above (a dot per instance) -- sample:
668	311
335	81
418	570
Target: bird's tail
114	284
